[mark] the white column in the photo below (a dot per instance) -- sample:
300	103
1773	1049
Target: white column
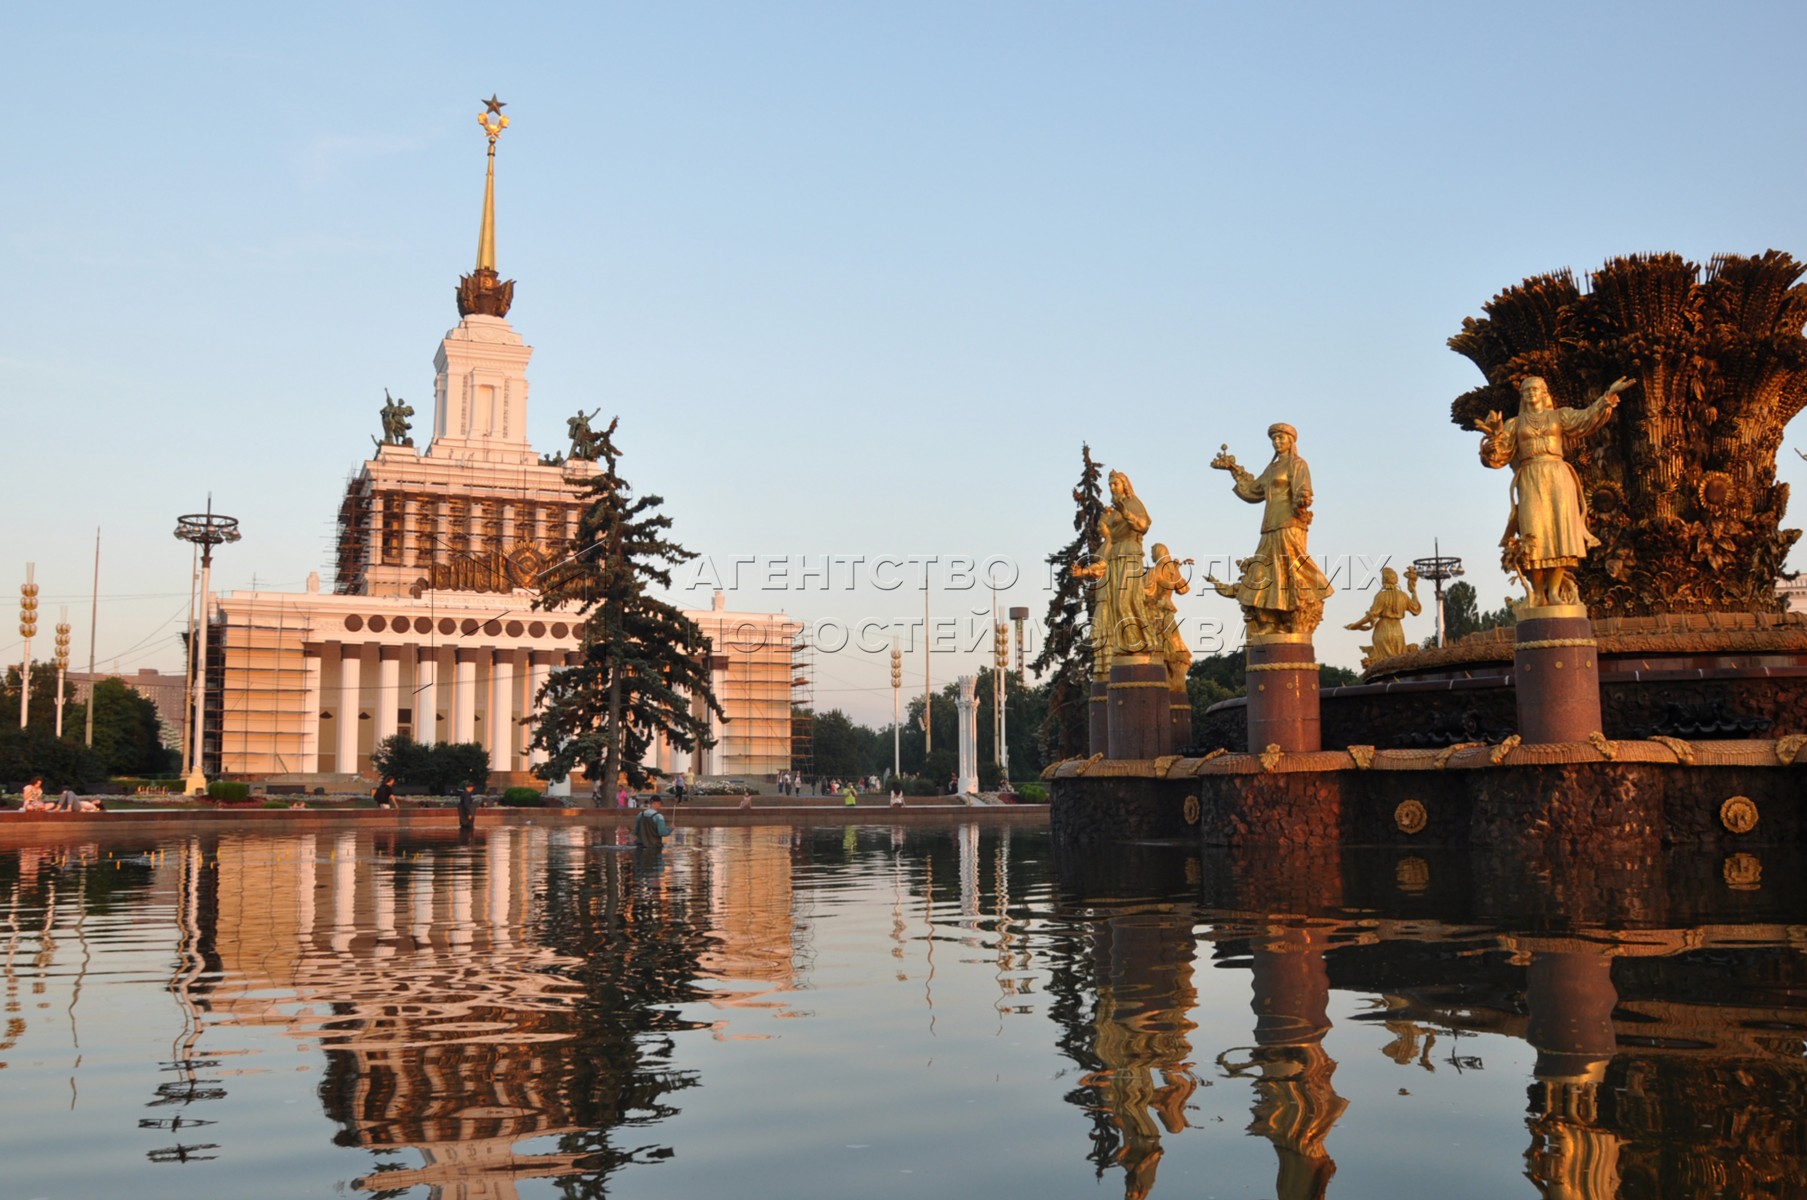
426	696
538	672
310	711
351	677
497	862
501	731
388	690
464	696
345	891
969	735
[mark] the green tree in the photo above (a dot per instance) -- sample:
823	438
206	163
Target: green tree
33	751
1067	643
128	740
845	749
643	665
127	735
441	768
1462	614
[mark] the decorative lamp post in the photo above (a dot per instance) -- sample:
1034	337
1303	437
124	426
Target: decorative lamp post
62	667
1437	568
1000	666
206	530
896	713
28	627
1017	617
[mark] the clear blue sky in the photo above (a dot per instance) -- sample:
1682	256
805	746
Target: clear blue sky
857	278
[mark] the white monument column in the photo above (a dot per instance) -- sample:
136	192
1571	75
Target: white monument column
426	695
464	695
351	678
969	736
310	711
388	690
501	730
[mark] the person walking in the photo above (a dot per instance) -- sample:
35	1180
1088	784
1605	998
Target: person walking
678	789
467	807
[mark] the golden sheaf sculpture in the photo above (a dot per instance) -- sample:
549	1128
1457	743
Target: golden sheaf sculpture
1679	488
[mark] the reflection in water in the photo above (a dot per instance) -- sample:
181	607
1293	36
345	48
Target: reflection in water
537	1004
1295	1102
1686	1079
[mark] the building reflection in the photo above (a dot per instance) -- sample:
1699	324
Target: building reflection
468	997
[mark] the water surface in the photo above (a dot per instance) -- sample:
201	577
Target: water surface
880	1011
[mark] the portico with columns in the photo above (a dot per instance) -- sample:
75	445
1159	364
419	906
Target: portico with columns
429	629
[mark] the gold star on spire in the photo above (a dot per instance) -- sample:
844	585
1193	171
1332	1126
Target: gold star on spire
494	105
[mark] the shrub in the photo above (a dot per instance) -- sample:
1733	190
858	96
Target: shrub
1032	793
440	768
521	797
228	789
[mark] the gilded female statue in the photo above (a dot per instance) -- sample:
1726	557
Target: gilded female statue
1164	582
1385	616
1122	616
1287	594
1547	534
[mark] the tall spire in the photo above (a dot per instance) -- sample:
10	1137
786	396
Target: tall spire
483	291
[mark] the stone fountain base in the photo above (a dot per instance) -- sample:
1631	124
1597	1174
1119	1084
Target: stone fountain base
1632	796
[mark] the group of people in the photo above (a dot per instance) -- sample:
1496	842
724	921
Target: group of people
32	796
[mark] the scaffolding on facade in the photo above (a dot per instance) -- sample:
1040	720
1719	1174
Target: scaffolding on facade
803	711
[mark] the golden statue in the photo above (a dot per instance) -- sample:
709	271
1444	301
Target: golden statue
1281	590
1385	616
1547	534
1254	580
1121	621
1164	582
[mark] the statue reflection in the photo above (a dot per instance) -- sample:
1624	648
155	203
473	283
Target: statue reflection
1295	1103
1141	1056
1569	997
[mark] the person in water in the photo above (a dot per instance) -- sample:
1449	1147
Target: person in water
650	827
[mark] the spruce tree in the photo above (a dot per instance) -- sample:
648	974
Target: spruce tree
643	665
1067	642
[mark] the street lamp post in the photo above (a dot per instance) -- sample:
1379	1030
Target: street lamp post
896	713
1000	666
1019	615
206	530
62	668
28	626
1437	568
